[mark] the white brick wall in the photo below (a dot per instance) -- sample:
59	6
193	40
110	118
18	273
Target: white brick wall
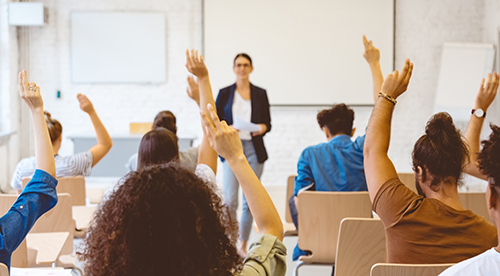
421	27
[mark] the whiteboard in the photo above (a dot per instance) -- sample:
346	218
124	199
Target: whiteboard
463	65
304	52
118	47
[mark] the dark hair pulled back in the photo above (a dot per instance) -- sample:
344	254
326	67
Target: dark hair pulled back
54	127
158	146
165	119
441	151
338	119
244	56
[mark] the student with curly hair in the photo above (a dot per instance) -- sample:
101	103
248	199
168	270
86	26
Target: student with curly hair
431	226
484	165
336	165
163	219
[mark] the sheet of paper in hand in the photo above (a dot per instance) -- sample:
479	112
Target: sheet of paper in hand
240	124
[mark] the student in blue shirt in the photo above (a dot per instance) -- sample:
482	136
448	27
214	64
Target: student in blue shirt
39	195
336	165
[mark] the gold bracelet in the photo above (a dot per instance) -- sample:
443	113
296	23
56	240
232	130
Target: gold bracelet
387	97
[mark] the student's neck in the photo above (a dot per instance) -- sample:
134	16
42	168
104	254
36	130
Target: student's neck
330	137
449	196
242	84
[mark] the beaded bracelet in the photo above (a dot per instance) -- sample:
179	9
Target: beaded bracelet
389	98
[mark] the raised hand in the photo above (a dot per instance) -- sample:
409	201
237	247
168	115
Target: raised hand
396	84
29	92
222	138
195	64
372	54
85	103
193	90
487	93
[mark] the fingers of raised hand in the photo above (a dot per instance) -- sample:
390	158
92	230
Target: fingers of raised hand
365	42
207	122
214	116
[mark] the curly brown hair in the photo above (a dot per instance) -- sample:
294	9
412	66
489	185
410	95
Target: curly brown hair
162	220
338	119
489	157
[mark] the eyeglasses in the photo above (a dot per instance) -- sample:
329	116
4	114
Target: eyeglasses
244	65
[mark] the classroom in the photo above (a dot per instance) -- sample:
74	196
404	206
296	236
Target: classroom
380	115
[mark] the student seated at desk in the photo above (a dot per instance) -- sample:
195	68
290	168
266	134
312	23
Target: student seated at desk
166	119
484	165
336	165
40	195
431	226
77	164
163	219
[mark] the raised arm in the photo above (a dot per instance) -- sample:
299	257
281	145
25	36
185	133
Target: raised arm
30	93
226	141
372	56
193	90
484	98
104	142
378	166
197	67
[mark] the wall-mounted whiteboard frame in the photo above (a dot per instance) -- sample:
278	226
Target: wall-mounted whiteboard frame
118	47
463	65
304	52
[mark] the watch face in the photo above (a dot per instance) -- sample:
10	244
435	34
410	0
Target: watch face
479	113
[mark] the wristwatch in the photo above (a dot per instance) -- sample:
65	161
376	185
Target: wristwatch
479	113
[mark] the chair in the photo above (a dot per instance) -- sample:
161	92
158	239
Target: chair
476	202
140	128
320	214
385	269
75	186
360	245
27	255
4	271
409	180
289	227
59	219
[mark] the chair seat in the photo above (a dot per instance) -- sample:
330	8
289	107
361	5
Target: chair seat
290	230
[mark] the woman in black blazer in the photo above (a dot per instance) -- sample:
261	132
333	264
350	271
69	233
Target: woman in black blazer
250	103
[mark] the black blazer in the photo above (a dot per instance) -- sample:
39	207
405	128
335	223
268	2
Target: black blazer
260	113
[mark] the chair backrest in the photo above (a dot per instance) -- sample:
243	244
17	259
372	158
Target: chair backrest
59	219
409	180
320	214
140	128
360	245
75	186
20	255
385	269
290	186
4	271
476	202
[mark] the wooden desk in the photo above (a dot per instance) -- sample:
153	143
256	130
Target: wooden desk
83	215
47	245
124	146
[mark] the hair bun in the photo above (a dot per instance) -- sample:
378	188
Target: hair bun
48	117
441	126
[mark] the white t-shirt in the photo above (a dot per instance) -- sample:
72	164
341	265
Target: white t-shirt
187	158
243	109
73	165
485	264
204	172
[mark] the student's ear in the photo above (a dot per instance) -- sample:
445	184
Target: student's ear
492	197
420	174
327	133
59	139
353	131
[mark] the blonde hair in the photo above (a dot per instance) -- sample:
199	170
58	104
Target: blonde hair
55	128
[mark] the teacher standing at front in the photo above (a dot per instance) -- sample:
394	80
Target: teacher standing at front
249	103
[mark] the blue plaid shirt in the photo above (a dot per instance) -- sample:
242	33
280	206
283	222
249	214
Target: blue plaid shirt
334	166
38	197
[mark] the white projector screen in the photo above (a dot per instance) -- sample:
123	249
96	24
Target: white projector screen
118	47
304	52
